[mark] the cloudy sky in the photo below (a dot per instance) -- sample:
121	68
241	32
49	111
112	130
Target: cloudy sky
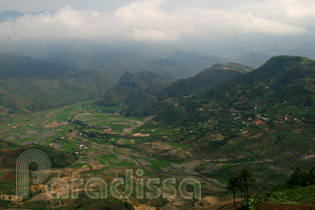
157	21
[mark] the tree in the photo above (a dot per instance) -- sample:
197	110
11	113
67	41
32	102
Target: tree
311	177
246	179
234	185
296	178
301	179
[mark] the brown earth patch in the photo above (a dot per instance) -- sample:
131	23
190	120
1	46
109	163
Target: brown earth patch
141	135
8	177
211	199
256	132
143	207
10	156
54	124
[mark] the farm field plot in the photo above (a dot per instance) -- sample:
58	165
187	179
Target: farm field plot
103	142
99	136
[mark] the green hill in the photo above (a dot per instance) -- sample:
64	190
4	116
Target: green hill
204	80
129	86
263	119
282	87
26	83
158	99
21	66
282	78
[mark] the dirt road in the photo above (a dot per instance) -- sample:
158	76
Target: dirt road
223	205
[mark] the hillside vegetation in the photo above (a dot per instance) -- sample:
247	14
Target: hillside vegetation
204	80
130	86
159	99
258	124
262	119
26	83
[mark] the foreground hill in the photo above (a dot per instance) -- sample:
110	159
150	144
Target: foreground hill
265	116
204	80
35	85
263	120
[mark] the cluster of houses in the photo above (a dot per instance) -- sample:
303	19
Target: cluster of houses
12	198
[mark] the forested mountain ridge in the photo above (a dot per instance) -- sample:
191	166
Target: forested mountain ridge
281	81
174	64
154	99
204	80
23	66
36	85
129	86
282	78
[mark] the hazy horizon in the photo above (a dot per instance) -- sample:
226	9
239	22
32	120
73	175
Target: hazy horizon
228	28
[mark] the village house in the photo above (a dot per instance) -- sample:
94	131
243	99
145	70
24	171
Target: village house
12	198
259	122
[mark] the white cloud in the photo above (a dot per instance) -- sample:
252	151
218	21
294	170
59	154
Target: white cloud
299	9
148	20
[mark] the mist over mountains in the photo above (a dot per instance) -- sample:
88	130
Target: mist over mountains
219	93
239	33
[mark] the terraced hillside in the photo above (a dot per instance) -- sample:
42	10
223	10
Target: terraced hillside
263	120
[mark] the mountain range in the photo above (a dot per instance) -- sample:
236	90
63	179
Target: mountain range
174	64
36	85
211	125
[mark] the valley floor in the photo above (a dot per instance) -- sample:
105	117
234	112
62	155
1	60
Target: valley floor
105	145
